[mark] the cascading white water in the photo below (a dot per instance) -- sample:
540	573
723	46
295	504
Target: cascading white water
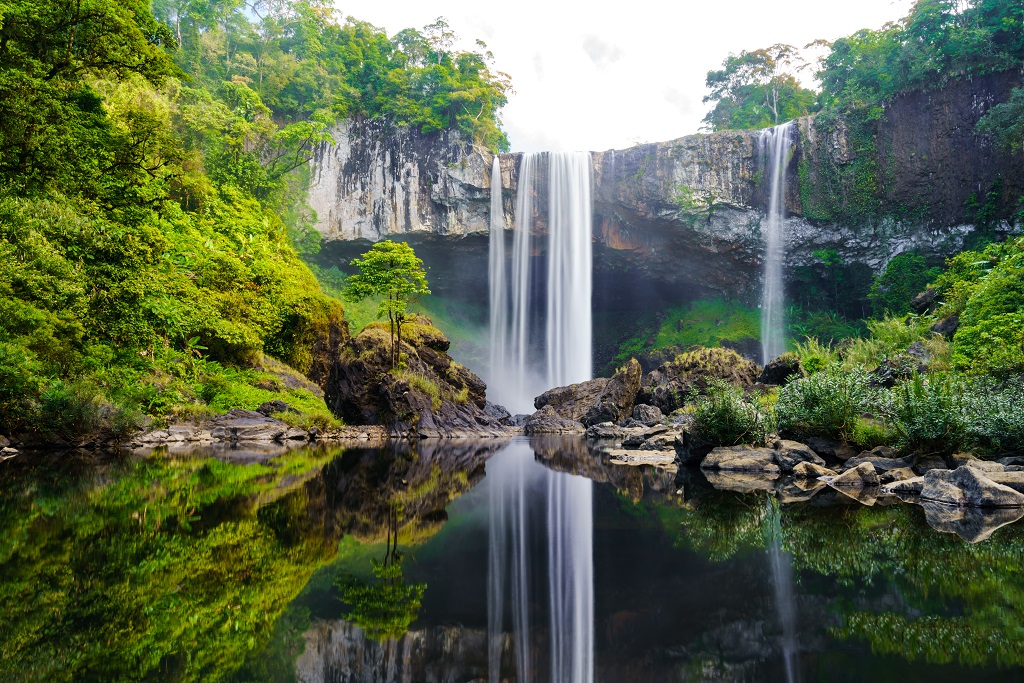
571	578
776	149
569	324
496	269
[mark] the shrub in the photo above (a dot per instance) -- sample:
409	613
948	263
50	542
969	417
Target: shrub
931	415
724	416
888	337
815	356
906	275
998	420
826	404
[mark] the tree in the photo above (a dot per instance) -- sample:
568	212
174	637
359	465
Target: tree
392	271
757	89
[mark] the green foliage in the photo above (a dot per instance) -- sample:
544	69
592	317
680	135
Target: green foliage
997	424
931	414
392	272
724	416
825	404
384	607
757	89
422	384
815	356
904	277
1005	122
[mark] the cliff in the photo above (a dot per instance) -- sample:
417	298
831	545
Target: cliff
688	212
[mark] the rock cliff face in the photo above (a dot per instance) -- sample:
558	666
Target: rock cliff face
688	212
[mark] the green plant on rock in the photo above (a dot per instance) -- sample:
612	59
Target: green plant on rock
392	271
724	416
825	404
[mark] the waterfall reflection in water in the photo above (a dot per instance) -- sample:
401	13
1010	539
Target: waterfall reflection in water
782	583
518	487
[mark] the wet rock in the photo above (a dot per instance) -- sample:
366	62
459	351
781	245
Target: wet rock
967	486
271	407
911	486
811	470
1013	479
607	430
862	475
897	474
655	458
924	302
880	464
781	370
928	463
661	442
1012	461
865	495
947	327
498	412
649	415
637	439
518	420
630	423
788	454
7	452
799	490
671	384
741	459
960	459
830	449
547	421
605	399
4	441
969	523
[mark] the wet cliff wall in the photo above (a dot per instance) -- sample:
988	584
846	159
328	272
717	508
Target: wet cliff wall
688	212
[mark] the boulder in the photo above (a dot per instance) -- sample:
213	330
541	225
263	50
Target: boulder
911	486
547	421
498	412
1012	461
858	477
924	302
880	464
649	415
518	420
670	386
662	442
4	441
928	463
740	481
1010	479
960	459
249	425
897	474
831	449
966	486
637	439
270	407
781	370
947	327
895	369
605	399
741	459
811	470
607	430
788	454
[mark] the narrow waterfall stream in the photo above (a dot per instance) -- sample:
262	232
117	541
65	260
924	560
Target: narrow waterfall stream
520	369
776	149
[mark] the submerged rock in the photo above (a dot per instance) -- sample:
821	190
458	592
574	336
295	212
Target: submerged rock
967	486
742	459
969	523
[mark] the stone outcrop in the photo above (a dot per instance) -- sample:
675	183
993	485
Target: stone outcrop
781	370
860	476
670	386
431	396
548	421
605	399
789	454
741	459
966	486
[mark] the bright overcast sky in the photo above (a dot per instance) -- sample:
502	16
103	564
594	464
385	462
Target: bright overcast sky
602	75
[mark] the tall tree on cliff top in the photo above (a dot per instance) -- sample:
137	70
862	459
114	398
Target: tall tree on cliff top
757	89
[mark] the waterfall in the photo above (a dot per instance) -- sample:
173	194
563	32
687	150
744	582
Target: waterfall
496	269
519	369
569	325
571	578
776	148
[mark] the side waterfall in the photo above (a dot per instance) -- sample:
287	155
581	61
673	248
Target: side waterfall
776	148
516	374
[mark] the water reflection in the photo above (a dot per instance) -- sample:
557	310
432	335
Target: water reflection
782	584
517	487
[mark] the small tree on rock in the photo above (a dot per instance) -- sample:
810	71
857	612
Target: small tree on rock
392	271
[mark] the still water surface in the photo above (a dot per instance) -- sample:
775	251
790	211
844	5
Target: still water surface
489	561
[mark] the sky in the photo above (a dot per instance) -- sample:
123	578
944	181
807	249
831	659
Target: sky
602	75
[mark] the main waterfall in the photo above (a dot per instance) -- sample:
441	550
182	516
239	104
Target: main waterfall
776	147
522	365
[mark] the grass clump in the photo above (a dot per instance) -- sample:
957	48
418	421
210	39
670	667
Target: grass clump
826	404
725	416
932	415
424	385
